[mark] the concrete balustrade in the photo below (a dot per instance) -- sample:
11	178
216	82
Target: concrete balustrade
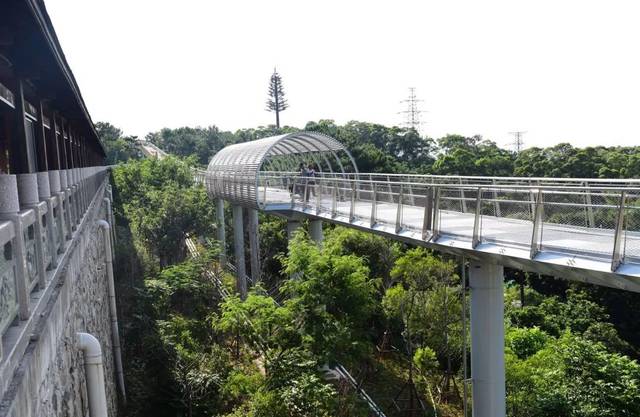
34	232
37	212
49	222
58	212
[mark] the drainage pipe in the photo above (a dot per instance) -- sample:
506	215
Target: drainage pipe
94	371
107	203
112	308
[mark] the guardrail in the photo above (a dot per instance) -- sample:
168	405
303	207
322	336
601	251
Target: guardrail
38	215
594	218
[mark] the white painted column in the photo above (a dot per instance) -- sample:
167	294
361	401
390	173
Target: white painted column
254	245
487	339
292	226
238	243
315	231
220	232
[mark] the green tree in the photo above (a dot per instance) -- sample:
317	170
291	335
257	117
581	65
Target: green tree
572	376
276	102
332	298
119	148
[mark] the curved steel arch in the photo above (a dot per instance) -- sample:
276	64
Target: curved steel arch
243	163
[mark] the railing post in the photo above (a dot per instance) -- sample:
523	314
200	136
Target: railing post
591	222
476	221
412	200
496	204
334	201
30	200
618	251
436	215
293	193
374	203
58	192
305	197
44	191
427	220
536	236
264	197
399	210
9	210
463	201
352	209
65	203
532	198
318	187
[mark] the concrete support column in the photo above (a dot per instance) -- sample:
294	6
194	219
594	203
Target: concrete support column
238	243
221	231
487	339
254	245
292	226
315	231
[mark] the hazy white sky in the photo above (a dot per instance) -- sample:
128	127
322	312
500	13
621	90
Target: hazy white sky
560	70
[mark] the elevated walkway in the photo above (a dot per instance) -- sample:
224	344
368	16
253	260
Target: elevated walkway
586	230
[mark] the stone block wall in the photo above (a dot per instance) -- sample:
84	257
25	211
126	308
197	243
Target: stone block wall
50	377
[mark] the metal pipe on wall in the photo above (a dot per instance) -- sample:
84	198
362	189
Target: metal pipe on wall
115	334
94	372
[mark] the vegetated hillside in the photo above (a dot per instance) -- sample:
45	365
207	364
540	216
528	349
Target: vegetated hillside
378	307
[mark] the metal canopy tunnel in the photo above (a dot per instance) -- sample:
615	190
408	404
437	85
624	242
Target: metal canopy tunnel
237	172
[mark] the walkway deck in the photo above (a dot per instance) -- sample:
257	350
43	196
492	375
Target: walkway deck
564	243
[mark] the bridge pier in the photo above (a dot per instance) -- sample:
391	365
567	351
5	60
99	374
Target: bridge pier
238	244
220	232
315	231
487	339
254	245
292	227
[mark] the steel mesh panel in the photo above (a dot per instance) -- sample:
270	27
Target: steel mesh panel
506	216
632	229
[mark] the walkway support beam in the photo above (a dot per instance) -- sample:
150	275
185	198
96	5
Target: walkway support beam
315	231
220	232
254	245
487	339
292	228
238	244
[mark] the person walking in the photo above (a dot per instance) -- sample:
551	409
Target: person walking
311	182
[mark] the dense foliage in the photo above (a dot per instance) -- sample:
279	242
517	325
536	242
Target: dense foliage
119	148
387	312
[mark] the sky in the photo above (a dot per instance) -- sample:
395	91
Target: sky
563	71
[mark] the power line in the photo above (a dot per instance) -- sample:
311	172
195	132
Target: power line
412	113
518	141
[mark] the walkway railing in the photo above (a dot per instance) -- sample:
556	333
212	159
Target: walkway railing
592	218
39	214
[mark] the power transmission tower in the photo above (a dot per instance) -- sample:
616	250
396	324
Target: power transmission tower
412	113
518	141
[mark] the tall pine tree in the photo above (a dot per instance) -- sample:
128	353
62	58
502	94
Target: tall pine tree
276	101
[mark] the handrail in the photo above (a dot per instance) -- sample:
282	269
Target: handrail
33	233
546	212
